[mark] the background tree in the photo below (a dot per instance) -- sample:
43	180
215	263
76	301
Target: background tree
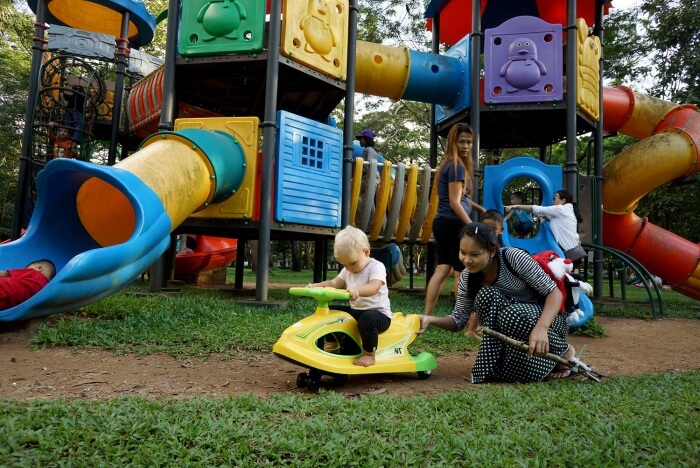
16	32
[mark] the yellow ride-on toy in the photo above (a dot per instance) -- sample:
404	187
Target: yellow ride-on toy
303	343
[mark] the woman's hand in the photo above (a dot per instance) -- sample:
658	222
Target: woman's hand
425	321
539	342
508	208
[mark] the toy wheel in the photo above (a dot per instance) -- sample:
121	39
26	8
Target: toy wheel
302	380
314	379
424	374
312	385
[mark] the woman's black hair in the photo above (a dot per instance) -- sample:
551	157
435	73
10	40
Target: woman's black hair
486	237
568	198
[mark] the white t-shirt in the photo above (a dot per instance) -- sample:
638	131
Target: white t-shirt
373	270
562	222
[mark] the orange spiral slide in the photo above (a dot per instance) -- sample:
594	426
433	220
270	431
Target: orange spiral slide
668	151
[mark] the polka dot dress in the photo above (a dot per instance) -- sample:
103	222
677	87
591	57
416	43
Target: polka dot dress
498	361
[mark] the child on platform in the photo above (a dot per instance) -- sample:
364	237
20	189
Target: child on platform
18	285
365	279
63	145
523	224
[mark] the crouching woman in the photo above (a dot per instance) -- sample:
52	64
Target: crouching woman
524	307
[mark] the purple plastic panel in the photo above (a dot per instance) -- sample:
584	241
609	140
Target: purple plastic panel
523	62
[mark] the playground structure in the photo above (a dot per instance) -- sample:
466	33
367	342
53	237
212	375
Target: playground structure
102	225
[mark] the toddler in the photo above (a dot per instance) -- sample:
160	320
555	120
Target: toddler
365	279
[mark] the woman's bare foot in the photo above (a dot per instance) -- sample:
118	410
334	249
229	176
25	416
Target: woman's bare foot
365	360
560	371
475	334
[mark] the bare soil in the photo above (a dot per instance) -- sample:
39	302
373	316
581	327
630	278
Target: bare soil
630	347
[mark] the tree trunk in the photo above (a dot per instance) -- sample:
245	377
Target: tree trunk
253	254
296	247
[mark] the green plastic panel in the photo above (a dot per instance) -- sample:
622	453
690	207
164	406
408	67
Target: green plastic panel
215	27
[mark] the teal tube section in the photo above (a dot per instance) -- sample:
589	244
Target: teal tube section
438	79
226	156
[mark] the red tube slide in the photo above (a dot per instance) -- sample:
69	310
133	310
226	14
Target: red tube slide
669	135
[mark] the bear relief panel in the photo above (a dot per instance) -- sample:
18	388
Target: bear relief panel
523	61
314	33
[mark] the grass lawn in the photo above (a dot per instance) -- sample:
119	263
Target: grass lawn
630	421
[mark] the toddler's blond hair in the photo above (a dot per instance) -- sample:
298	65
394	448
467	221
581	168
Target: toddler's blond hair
350	239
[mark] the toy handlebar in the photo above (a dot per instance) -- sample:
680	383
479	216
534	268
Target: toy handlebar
320	294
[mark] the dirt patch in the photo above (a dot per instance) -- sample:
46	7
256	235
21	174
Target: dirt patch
630	347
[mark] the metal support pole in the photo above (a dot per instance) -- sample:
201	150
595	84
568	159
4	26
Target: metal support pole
122	63
598	170
430	254
571	168
158	278
168	113
476	92
25	172
269	140
349	114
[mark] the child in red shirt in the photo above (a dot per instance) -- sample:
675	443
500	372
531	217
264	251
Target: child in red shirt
18	285
63	144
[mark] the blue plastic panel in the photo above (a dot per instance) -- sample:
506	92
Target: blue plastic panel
308	172
460	101
548	177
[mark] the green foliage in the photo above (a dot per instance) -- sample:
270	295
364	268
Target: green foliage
634	421
393	21
655	44
15	59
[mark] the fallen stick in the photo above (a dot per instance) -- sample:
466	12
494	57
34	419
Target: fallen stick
574	364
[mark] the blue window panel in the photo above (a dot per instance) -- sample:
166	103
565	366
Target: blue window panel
308	172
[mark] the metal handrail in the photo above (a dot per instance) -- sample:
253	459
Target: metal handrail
639	270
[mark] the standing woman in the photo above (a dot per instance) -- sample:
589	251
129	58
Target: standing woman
522	302
455	187
564	217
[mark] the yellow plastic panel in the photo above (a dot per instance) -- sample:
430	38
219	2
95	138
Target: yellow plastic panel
355	190
381	202
245	130
588	52
409	203
107	227
314	33
382	70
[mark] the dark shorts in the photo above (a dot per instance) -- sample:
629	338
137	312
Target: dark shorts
446	232
523	227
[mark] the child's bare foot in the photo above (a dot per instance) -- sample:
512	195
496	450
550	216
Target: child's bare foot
331	347
560	371
365	360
